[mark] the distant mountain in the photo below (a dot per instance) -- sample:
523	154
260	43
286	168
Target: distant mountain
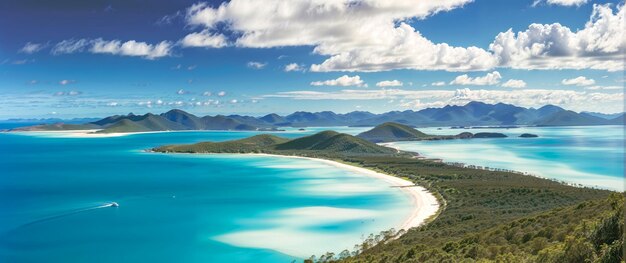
604	115
569	118
471	114
327	142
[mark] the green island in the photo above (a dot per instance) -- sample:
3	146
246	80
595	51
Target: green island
394	132
485	216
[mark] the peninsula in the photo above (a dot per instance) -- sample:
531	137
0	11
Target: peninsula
482	212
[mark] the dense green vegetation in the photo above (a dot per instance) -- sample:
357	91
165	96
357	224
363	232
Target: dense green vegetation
486	216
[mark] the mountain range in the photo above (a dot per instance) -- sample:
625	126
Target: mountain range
471	114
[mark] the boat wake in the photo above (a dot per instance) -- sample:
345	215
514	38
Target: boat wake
69	213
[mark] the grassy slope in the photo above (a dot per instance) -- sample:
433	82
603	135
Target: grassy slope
481	208
391	131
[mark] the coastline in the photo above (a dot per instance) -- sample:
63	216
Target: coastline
425	204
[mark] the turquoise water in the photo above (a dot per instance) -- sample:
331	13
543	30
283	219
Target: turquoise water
592	156
56	195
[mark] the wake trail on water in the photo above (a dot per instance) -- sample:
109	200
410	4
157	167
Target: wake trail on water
68	213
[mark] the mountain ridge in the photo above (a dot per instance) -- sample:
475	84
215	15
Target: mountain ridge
471	114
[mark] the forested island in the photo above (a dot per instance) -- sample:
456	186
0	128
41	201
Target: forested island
484	216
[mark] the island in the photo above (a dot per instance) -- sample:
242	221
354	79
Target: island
484	215
394	132
528	135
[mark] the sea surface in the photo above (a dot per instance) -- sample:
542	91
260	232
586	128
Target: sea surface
590	155
57	193
56	202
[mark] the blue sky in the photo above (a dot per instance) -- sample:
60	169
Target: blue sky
96	58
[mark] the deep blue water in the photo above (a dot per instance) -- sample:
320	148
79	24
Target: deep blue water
179	208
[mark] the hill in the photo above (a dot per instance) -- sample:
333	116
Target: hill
395	132
326	142
391	131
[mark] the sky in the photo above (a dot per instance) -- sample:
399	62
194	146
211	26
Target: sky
96	58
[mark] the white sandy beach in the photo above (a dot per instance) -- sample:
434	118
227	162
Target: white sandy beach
425	204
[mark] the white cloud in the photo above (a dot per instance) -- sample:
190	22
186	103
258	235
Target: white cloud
293	67
375	36
389	83
554	46
561	2
578	81
256	64
67	93
343	81
30	48
207	93
66	81
514	83
221	93
204	39
605	88
114	47
438	83
70	46
132	48
182	92
575	100
489	79
368	36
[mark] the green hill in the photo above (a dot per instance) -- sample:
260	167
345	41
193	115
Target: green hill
326	142
570	118
391	131
256	143
143	123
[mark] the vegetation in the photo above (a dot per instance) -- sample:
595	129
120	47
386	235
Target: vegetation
486	216
528	135
489	135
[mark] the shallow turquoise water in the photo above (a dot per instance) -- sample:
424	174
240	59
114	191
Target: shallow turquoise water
179	208
593	155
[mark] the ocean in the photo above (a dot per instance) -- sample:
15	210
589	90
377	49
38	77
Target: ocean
58	193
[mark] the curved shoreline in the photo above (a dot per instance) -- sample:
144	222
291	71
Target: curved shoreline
425	204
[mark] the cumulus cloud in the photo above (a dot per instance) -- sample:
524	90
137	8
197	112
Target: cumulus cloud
221	93
256	65
343	81
514	83
182	92
578	81
30	48
438	83
368	36
375	36
554	46
293	67
390	83
489	79
204	39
